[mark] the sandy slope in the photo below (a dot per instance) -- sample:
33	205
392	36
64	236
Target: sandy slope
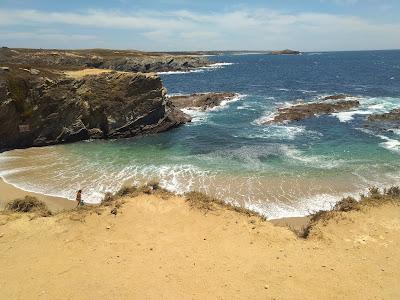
161	249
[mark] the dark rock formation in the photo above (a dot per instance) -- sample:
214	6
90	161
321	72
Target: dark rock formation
384	122
392	116
36	110
132	61
202	101
307	110
286	51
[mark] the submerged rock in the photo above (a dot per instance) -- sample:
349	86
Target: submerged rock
38	111
203	101
307	110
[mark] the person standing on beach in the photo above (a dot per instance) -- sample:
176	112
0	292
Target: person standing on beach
79	198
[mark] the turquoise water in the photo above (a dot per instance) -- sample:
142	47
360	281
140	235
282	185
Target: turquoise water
279	170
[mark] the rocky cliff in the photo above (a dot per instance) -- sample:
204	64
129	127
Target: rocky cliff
119	60
42	107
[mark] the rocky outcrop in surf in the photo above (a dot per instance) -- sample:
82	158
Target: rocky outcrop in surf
119	60
392	116
202	101
302	111
386	122
48	108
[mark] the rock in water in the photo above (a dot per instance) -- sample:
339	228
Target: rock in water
307	110
203	101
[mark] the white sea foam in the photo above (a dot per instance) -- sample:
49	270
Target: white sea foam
266	119
369	106
200	116
307	91
181	72
396	131
346	116
312	161
228	101
390	144
283	132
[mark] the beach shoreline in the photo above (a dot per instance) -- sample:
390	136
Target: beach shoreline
9	192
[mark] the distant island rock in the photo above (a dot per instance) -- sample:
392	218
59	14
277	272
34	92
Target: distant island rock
202	101
285	52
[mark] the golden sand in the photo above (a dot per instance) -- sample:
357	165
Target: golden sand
157	248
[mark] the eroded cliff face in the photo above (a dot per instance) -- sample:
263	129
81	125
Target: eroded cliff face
47	108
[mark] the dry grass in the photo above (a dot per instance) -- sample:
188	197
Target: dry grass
28	204
206	204
375	197
85	72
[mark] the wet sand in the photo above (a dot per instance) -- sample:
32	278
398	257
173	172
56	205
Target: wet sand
295	223
9	192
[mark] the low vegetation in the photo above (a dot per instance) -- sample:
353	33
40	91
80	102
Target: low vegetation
28	204
374	197
206	203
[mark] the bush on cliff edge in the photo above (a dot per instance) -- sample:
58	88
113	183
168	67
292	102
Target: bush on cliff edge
28	204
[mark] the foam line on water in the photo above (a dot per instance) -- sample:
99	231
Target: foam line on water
369	106
201	116
390	144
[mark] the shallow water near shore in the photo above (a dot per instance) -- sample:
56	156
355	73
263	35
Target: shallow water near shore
277	170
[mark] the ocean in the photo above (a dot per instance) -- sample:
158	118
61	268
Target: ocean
277	170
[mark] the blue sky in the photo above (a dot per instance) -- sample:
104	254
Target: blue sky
307	25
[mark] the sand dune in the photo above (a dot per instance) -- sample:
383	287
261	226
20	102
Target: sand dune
161	248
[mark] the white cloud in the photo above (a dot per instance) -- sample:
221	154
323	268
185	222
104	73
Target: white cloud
239	29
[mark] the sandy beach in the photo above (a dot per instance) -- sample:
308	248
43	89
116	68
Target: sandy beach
9	192
160	247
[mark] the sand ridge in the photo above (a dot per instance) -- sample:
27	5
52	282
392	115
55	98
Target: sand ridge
161	248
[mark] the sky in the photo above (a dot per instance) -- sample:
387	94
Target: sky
184	25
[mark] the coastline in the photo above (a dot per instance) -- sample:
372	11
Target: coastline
10	192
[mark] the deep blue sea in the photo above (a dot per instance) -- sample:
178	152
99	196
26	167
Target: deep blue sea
278	170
